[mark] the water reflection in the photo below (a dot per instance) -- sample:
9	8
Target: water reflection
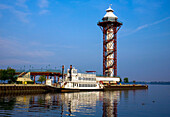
110	101
63	104
7	103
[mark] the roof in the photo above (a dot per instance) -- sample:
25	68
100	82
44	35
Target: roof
90	71
23	79
109	13
109	9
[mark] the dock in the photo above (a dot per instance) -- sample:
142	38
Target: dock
42	88
125	87
23	88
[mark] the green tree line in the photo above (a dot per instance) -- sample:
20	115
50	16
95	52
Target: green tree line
42	78
126	80
8	75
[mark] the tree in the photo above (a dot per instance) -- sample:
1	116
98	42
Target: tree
8	74
120	80
11	75
42	78
3	75
134	81
126	80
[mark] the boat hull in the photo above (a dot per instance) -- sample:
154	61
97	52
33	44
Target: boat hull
76	90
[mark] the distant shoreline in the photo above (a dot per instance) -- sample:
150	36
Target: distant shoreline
152	82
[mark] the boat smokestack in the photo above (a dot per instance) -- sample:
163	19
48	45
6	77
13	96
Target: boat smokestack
70	66
70	72
62	71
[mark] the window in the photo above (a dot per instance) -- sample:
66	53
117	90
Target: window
74	71
86	85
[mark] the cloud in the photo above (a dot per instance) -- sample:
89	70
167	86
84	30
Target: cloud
22	16
146	6
11	61
151	24
159	21
3	6
43	12
13	51
147	25
40	53
8	48
141	27
21	3
43	3
34	43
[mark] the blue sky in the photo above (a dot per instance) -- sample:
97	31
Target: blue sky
64	32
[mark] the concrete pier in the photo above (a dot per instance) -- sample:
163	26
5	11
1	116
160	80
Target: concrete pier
22	88
41	88
125	87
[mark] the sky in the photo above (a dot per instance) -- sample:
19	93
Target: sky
50	33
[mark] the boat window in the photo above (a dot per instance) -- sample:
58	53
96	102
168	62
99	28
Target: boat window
74	71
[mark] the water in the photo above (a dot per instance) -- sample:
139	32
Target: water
153	102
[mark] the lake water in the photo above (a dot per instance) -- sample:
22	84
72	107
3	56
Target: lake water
154	102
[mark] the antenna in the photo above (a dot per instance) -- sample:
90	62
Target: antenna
110	5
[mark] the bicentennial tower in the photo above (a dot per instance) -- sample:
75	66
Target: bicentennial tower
110	26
